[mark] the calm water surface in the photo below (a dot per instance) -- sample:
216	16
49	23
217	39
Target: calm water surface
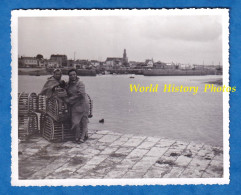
182	116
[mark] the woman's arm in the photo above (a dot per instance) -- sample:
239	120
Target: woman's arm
78	94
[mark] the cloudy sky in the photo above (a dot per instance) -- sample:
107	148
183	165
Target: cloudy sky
184	39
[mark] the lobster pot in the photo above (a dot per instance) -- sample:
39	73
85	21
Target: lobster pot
56	131
91	106
60	92
33	102
42	122
27	103
42	103
23	103
57	109
27	125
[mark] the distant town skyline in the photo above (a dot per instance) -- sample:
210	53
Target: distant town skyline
178	39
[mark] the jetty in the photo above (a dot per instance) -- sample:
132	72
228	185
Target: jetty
49	71
180	72
108	154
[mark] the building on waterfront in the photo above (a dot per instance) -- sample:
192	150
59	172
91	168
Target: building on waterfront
81	64
77	64
113	62
42	63
149	63
159	65
95	63
216	67
53	64
133	64
198	67
140	65
185	66
172	66
70	63
61	59
106	66
116	62
28	62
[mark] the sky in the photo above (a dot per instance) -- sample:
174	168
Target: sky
178	39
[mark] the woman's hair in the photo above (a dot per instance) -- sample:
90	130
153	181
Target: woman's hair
57	70
71	70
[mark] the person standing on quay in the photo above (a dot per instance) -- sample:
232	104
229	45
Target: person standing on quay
79	105
51	83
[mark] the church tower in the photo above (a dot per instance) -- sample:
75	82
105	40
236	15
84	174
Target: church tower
125	59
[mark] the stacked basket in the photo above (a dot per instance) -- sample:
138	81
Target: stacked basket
55	121
54	118
27	117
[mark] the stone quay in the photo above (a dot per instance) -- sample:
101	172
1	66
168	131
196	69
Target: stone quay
108	155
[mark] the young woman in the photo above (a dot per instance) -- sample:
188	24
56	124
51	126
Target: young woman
79	104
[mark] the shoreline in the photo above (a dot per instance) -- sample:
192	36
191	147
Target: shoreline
85	72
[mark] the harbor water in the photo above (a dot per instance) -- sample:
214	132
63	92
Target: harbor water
181	116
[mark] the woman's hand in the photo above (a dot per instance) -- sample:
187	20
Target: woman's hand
62	84
66	100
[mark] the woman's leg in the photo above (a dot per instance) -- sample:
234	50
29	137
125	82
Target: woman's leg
84	125
76	125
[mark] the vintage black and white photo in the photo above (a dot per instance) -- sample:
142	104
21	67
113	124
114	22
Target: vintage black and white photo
120	97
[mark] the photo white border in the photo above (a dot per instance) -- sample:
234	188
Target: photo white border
117	12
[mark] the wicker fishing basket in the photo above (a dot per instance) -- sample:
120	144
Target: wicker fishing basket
42	103
57	131
57	109
27	103
27	125
90	115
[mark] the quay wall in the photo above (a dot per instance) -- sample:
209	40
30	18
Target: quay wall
152	72
163	72
43	71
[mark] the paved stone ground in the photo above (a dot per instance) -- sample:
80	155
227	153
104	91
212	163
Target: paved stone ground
111	155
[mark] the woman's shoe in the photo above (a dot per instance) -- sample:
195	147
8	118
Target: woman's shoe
86	137
81	141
